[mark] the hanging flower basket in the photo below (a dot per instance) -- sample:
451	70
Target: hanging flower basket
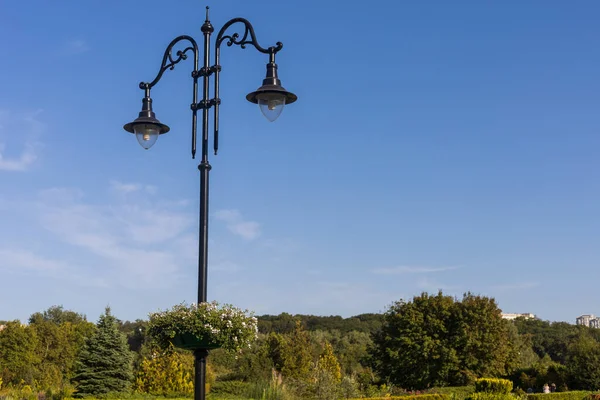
203	326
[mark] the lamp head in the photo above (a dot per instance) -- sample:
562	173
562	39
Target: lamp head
146	127
271	97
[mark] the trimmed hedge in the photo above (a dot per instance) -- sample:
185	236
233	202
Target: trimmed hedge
457	392
493	385
573	395
493	396
433	396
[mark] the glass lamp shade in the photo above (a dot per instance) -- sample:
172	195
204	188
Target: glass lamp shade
146	134
271	104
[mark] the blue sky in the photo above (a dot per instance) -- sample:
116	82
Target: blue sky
434	145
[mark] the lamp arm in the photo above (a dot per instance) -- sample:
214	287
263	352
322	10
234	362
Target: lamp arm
169	61
235	37
249	37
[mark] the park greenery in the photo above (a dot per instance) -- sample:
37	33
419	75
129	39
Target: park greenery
431	347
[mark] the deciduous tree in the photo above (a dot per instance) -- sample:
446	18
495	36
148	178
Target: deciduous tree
62	333
583	362
18	358
435	340
415	346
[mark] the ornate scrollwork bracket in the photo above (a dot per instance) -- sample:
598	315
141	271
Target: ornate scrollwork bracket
249	37
169	61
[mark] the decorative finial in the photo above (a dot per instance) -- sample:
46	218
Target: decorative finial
207	28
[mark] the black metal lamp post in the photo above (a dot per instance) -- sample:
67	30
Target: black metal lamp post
271	98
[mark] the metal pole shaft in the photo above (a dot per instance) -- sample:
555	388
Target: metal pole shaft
204	167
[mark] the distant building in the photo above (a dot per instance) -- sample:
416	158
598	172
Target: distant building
512	316
2	327
588	320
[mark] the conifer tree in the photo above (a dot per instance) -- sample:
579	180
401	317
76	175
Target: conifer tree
296	355
328	362
105	362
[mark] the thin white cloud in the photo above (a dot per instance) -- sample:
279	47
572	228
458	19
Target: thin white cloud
403	269
517	286
57	195
136	240
26	260
429	285
225	266
21	162
19	140
126	188
237	225
76	46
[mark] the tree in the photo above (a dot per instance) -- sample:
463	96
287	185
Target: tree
583	362
61	336
285	323
135	332
415	346
328	362
296	354
18	359
352	351
274	348
105	362
438	341
482	339
254	364
547	338
57	315
522	348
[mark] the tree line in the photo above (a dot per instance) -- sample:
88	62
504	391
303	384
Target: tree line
431	340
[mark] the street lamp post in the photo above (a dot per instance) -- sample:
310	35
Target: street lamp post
271	98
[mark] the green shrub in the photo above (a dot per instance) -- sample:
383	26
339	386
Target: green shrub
53	394
236	388
493	385
25	392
